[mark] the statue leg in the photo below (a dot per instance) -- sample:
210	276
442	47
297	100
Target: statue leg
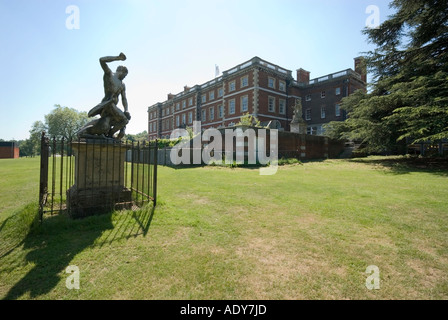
121	134
119	122
118	126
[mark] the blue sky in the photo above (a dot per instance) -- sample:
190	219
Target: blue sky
168	44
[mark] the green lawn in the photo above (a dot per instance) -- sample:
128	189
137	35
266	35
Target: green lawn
307	232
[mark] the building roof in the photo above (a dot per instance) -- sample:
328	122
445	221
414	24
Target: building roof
8	144
256	61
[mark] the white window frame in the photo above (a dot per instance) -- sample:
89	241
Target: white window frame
270	98
282	85
220	92
280	102
337	109
244	81
232	86
337	91
309	130
247	103
190	101
273	82
204	115
232	102
211	113
177	106
177	121
184	104
220	111
211	95
184	118
323	94
323	111
190	117
308	114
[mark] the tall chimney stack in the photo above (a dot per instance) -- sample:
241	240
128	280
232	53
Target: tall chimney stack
303	76
361	68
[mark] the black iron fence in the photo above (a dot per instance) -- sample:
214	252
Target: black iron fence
82	177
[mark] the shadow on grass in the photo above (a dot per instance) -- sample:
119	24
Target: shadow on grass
404	165
128	225
54	244
8	246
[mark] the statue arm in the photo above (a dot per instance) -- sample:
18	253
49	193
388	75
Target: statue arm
105	60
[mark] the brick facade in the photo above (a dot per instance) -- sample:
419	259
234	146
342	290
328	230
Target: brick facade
9	150
261	89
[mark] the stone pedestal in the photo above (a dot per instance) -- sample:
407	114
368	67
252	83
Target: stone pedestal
298	127
99	178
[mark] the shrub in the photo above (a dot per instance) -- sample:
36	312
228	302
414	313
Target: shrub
285	161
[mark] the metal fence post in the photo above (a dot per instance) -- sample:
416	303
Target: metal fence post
61	178
43	184
156	151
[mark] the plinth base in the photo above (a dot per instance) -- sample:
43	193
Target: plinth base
299	127
88	202
99	179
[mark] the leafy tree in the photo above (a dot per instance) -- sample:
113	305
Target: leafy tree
61	122
31	146
27	148
64	122
249	120
408	100
142	136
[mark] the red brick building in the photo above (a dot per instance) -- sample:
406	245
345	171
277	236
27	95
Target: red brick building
262	89
9	150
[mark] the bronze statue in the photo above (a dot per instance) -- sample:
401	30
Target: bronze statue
112	119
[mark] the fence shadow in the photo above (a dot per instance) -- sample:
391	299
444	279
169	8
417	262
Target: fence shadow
128	225
59	239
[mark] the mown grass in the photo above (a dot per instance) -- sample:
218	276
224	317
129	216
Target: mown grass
307	232
19	184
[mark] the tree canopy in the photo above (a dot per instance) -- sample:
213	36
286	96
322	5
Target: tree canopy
64	122
408	98
61	122
142	136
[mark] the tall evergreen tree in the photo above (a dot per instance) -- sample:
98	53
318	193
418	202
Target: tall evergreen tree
408	99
